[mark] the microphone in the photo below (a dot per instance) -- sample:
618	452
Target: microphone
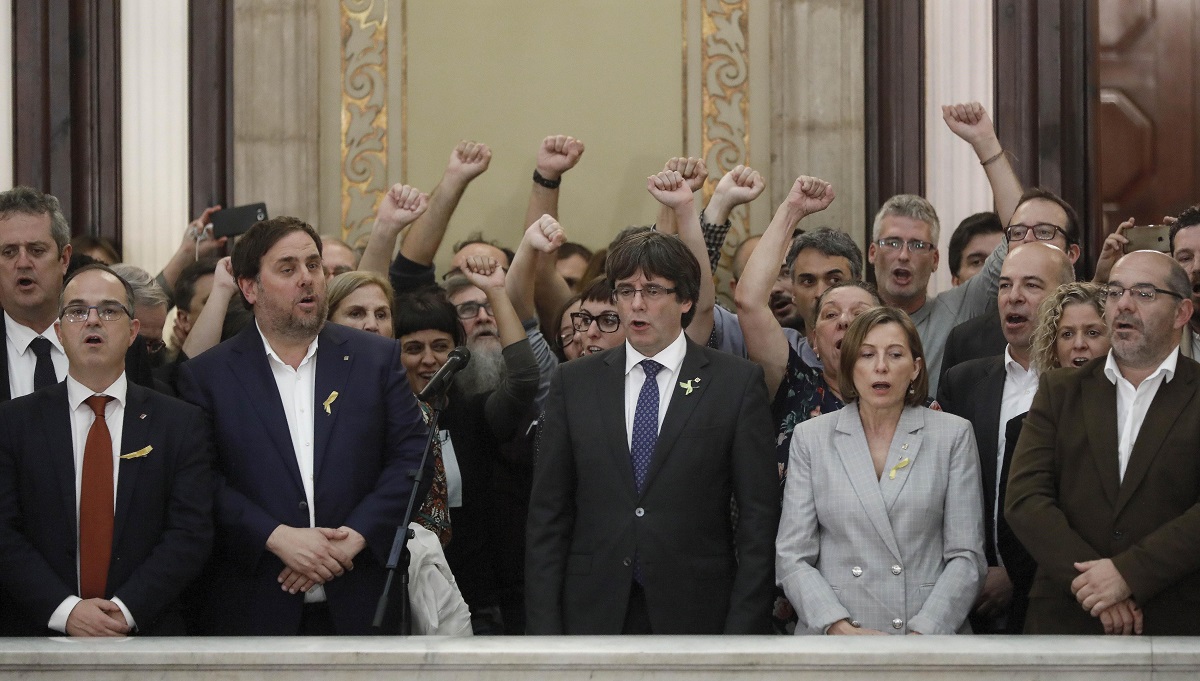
440	382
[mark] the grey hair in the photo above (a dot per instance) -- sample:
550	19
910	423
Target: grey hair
146	292
830	242
29	201
909	206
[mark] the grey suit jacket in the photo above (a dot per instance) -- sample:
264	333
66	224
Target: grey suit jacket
897	554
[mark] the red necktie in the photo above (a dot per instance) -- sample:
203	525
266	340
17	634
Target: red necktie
96	505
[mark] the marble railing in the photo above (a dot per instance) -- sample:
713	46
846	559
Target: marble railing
600	658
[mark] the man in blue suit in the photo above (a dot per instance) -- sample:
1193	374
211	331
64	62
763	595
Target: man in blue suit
317	433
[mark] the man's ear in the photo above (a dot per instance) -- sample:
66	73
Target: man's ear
248	288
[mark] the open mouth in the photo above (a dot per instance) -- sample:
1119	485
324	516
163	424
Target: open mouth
639	325
1015	319
24	282
1080	361
93	339
592	349
780	302
881	386
901	276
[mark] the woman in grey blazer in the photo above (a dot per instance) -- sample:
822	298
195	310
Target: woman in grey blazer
882	526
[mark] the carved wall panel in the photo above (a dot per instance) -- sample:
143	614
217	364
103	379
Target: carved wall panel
364	113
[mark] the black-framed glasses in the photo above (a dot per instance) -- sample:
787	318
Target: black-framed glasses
1042	232
1142	293
649	292
470	309
914	245
607	321
108	312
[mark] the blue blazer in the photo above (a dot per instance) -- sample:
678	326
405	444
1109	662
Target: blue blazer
162	528
368	443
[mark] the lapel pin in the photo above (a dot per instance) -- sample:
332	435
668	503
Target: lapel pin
142	416
141	453
329	401
904	446
687	385
903	463
345	358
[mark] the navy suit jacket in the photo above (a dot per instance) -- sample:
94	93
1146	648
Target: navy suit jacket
369	436
163	527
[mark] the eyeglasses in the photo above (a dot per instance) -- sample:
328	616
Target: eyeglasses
914	245
565	337
1142	293
608	321
1040	232
108	312
649	292
470	310
155	345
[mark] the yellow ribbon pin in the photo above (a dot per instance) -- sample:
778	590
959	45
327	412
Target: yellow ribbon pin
329	400
902	464
139	453
687	385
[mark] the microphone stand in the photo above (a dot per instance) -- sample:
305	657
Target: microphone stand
393	612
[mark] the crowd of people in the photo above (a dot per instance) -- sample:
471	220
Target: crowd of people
620	453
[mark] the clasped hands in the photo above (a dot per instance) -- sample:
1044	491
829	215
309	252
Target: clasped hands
313	555
1103	593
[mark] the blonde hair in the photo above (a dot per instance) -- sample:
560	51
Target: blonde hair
348	282
1043	347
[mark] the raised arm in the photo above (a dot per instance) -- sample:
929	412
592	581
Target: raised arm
542	239
557	155
197	242
740	185
766	343
694	173
468	161
206	329
669	188
400	206
971	122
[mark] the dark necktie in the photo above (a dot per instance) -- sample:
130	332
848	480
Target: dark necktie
645	424
43	371
96	505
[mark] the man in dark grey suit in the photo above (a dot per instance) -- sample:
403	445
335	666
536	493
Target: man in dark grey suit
642	449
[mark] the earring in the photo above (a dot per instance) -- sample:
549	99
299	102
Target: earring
911	390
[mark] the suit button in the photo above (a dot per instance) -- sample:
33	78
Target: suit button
856	571
896	569
1117	534
639	511
627	562
303	505
855	623
897	623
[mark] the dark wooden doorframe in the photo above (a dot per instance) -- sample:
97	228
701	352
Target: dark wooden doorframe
67	108
210	104
1046	97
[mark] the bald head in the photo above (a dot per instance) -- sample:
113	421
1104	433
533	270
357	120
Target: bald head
1031	272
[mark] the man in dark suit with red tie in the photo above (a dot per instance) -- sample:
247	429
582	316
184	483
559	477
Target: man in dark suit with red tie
317	434
105	486
642	449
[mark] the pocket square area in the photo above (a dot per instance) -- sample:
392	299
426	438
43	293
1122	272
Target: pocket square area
139	453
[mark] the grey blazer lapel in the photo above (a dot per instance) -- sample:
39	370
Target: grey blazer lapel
902	454
611	394
683	405
850	446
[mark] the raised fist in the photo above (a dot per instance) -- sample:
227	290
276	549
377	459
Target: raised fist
809	195
741	185
669	188
401	206
557	155
693	170
469	160
546	234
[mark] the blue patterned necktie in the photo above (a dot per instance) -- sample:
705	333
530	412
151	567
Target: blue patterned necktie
645	424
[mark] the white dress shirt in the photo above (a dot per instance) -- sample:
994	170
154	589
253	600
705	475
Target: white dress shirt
1134	403
1020	385
22	361
671	358
82	418
296	388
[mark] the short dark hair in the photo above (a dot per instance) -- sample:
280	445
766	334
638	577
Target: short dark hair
185	283
1044	194
88	242
657	254
254	244
856	283
831	242
971	227
427	308
99	267
856	335
598	290
631	229
572	249
1190	217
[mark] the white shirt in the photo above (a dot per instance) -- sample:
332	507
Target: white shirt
22	361
453	473
82	418
671	358
1134	403
296	387
1195	344
1020	385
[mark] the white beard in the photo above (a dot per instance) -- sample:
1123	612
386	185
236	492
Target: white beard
485	370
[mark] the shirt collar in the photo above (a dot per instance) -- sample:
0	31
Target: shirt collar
671	357
1167	368
78	392
1012	367
20	336
312	348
